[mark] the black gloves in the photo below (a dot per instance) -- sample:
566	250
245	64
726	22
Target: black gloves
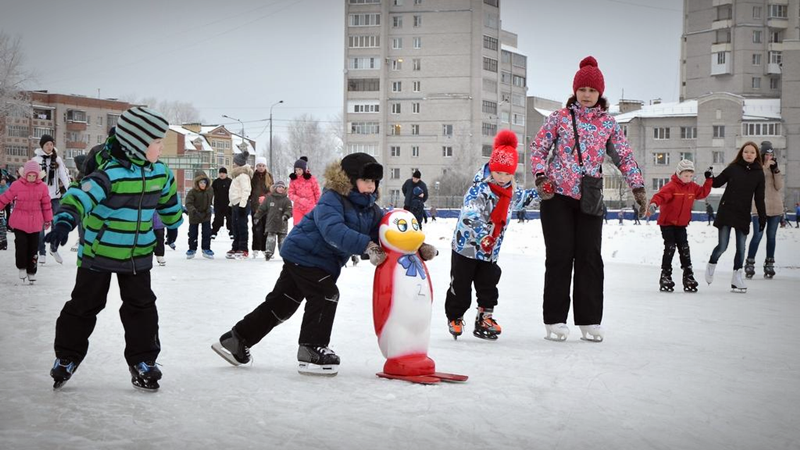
762	223
709	173
60	234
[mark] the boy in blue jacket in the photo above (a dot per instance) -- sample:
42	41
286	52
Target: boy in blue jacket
344	222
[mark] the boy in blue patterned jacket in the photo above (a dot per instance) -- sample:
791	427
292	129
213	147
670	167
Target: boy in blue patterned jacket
482	222
116	204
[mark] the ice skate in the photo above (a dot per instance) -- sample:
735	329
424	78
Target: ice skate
171	245
23	274
62	371
317	361
456	327
267	256
31	277
595	333
74	248
749	268
161	261
710	272
485	326
665	283
42	259
737	282
56	256
769	268
145	376
230	254
208	254
689	283
255	254
232	348
190	254
556	332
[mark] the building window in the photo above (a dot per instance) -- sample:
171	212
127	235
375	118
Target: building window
660	133
519	81
518	100
398	2
415	108
490	64
491	2
721	58
76	116
719	131
17	131
359	85
397	21
718	157
415	151
447	129
661	159
774	83
489	43
363	63
687	156
688	132
397	43
756	36
756	83
38	132
723	36
504	115
489	107
364	41
365	2
417	42
366	108
396	108
724	12
761	129
775	57
417	2
395	151
777	11
447	151
756	12
505	77
396	129
364	128
505	57
658	183
415	129
416	64
624	128
756	59
397	86
417	21
488	129
518	119
395	173
370	149
365	20
397	64
416	86
16	150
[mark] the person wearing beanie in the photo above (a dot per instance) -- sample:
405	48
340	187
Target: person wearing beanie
773	202
33	212
410	198
115	204
274	213
675	200
744	182
199	203
239	198
56	179
573	237
261	185
222	208
345	222
482	223
304	190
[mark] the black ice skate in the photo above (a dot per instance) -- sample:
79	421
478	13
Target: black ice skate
145	376
749	268
62	371
665	283
689	283
769	268
232	348
485	326
317	361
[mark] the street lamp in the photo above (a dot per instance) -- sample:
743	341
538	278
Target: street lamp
270	134
242	145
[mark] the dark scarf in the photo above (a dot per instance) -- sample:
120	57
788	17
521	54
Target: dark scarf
50	166
500	211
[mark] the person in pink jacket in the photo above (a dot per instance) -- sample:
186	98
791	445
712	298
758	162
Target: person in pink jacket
303	190
32	211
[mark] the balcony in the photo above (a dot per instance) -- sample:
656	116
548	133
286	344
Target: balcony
773	69
721	47
76	126
716	3
76	145
775	47
719	24
778	22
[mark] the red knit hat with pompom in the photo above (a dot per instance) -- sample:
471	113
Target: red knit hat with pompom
589	76
504	155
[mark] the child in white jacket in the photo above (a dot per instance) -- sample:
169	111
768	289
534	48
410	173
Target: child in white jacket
239	196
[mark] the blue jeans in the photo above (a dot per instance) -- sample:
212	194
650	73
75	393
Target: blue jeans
55	203
206	236
772	228
722	245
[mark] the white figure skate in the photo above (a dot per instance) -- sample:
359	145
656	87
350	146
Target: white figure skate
560	330
595	333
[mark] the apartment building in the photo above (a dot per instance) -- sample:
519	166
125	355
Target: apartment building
750	49
76	122
427	85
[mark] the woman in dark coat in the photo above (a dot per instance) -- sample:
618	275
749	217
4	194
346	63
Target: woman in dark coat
745	183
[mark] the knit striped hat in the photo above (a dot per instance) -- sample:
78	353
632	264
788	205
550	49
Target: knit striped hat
137	128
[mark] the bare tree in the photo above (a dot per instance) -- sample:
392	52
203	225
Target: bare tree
308	138
282	160
336	129
459	174
14	100
176	112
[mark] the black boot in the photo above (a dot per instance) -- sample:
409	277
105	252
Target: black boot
665	283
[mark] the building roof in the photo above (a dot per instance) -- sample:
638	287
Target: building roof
754	109
190	137
511	49
236	140
762	108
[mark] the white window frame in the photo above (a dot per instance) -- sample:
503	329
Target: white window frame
718	157
661	158
415	129
397	108
397	86
394	151
718	131
397	43
415	151
416	86
415	108
417	42
447	151
447	129
661	133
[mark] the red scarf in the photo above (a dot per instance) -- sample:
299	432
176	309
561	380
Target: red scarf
500	212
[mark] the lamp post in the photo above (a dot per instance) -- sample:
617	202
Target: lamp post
242	146
270	134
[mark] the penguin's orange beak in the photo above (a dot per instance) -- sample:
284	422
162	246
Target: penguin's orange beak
408	241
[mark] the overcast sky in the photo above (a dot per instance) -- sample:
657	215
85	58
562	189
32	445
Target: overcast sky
240	57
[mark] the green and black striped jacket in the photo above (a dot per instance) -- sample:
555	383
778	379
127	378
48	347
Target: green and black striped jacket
115	204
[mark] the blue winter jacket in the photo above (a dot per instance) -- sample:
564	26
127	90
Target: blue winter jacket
341	224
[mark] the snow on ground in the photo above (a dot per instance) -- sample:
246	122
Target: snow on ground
711	370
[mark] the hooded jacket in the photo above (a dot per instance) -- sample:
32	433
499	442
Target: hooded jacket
676	198
278	209
773	197
199	201
474	219
32	208
239	192
59	174
745	184
304	194
599	135
342	224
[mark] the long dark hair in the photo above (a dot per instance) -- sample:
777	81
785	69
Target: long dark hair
601	102
739	157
